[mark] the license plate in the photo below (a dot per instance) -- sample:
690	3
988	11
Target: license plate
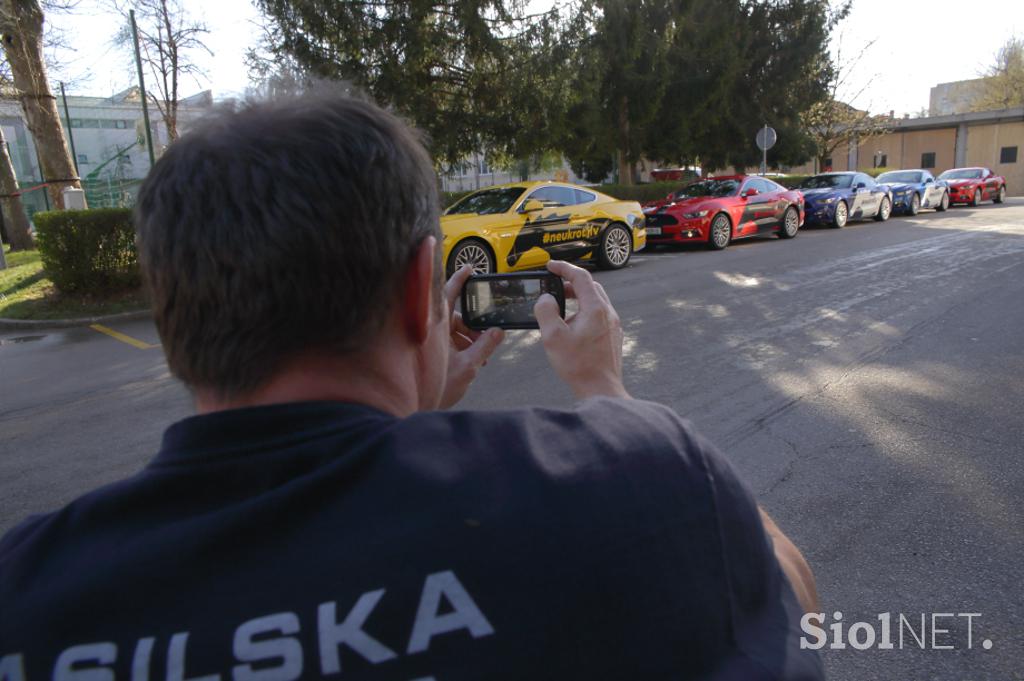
654	231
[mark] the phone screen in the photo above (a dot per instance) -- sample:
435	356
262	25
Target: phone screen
507	300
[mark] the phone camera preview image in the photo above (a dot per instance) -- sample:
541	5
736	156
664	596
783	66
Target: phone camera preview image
506	300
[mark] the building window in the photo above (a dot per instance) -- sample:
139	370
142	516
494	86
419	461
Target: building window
928	159
76	122
121	125
1008	155
83	158
881	160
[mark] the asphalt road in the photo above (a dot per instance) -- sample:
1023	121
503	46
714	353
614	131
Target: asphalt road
868	382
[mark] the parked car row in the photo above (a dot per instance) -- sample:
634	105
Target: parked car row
522	225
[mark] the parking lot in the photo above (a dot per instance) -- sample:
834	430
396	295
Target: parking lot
867	382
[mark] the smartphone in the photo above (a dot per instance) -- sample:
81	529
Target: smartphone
506	300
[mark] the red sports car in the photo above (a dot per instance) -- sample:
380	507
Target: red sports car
719	209
974	185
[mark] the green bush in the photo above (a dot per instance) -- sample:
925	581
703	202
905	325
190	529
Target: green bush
91	251
448	198
653	191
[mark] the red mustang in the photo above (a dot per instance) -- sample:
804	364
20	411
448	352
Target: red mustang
720	209
974	185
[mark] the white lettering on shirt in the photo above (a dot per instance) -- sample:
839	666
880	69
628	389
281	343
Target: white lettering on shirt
287	649
96	653
12	668
176	661
332	635
140	661
465	613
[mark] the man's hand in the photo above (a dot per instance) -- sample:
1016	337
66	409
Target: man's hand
793	564
586	349
469	349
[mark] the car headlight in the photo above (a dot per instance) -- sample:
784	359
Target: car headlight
831	199
695	214
632	220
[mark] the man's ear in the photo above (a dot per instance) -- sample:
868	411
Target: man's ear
418	291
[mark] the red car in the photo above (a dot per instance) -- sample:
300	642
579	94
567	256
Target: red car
974	185
719	209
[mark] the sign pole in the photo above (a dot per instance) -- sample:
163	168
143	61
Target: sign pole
764	154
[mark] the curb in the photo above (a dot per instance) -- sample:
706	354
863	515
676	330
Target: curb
33	324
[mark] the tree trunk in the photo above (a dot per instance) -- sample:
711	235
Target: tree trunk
23	44
15	220
625	166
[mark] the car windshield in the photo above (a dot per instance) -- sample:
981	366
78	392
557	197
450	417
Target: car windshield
900	176
965	174
708	188
487	202
827	182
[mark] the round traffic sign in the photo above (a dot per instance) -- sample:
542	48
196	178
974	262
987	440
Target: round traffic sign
766	138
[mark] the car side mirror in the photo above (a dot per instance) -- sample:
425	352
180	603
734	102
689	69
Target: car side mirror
750	192
532	206
860	185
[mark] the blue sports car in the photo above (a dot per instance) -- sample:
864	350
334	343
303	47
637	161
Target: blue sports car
835	198
913	190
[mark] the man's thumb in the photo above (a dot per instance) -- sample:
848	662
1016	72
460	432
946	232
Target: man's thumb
547	313
484	347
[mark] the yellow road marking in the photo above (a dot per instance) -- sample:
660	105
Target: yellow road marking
134	342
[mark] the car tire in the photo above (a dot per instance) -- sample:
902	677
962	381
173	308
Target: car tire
884	209
471	252
976	199
1001	195
915	204
616	248
943	203
790	223
841	216
720	232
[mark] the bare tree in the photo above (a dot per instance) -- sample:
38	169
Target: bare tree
14	217
831	123
21	32
1003	84
168	38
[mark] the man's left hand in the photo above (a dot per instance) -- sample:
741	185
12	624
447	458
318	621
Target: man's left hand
469	349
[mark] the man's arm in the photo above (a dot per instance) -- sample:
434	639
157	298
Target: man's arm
793	565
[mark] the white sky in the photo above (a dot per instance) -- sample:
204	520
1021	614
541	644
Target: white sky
919	43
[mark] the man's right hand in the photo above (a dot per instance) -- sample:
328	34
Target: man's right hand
586	349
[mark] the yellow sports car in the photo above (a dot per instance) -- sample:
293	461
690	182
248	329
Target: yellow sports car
522	225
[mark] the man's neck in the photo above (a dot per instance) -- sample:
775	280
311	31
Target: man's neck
376	380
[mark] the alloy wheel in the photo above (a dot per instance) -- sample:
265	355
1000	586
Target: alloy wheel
616	247
474	255
720	231
792	222
841	214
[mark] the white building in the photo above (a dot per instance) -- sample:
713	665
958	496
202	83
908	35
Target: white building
109	142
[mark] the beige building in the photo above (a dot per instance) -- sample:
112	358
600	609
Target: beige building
992	139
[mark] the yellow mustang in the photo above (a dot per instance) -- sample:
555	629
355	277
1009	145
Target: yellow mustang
522	225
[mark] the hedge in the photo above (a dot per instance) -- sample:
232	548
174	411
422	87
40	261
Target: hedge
90	251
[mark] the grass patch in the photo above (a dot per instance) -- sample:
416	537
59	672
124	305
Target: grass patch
27	293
